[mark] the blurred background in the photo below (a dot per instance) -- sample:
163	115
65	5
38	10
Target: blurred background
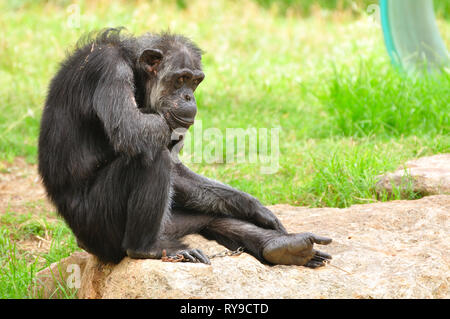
318	70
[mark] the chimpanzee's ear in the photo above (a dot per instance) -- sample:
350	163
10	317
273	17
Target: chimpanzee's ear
149	60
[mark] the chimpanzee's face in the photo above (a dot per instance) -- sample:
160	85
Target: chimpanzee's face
172	79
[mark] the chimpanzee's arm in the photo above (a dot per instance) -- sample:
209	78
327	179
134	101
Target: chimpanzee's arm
130	131
193	191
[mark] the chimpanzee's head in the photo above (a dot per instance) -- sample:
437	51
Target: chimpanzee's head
170	71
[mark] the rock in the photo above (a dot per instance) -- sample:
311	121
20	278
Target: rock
425	176
396	249
48	282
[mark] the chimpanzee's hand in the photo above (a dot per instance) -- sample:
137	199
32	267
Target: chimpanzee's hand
296	249
176	142
263	217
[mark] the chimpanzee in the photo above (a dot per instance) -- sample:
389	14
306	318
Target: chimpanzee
104	158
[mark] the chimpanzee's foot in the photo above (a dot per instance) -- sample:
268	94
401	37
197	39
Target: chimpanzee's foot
296	249
172	250
190	255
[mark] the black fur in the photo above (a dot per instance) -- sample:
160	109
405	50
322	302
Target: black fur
104	153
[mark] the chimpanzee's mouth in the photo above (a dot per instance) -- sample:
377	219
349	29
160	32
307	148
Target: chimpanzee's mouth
182	122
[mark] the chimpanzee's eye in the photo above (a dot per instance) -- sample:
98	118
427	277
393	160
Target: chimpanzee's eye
179	82
182	79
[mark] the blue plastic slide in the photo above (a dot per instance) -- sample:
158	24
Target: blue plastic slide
411	34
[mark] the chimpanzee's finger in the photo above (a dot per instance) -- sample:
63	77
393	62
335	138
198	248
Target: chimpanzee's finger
274	223
266	218
321	254
279	226
197	253
321	240
188	257
314	264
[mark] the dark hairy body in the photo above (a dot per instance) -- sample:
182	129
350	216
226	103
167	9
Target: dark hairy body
104	158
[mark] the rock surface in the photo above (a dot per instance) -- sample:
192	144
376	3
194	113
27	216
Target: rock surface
396	249
48	282
426	176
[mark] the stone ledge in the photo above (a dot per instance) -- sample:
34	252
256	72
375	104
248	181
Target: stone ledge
426	176
395	249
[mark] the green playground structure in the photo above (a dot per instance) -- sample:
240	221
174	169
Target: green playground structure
411	34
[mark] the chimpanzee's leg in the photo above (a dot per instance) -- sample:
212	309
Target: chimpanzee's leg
147	205
267	245
122	210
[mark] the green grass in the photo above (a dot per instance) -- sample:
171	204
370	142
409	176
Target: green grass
305	7
361	105
345	115
18	265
